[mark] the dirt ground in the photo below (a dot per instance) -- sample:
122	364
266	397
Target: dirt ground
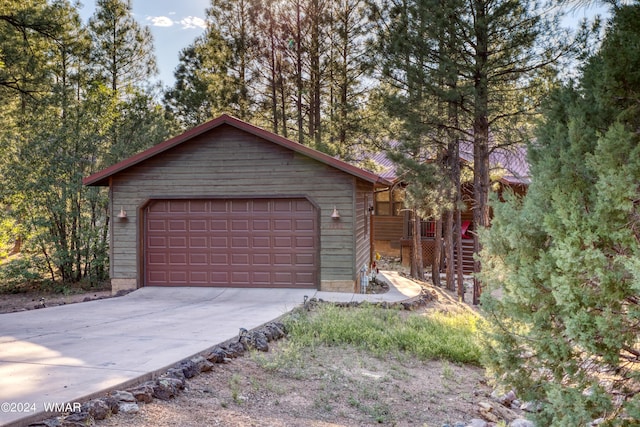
326	386
33	300
316	387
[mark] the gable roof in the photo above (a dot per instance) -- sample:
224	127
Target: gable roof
512	161
101	178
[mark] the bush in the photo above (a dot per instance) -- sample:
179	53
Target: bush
18	272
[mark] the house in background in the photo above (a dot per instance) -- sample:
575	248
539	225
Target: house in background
231	204
393	224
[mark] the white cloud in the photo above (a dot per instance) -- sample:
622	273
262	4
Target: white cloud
192	22
160	21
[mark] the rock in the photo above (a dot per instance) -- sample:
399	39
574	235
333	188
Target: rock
521	422
78	419
217	355
507	399
268	333
596	422
113	404
175	373
275	331
476	422
202	364
530	407
486	410
97	408
123	396
144	392
206	366
281	326
485	406
50	422
129	408
260	341
167	388
234	349
254	340
189	369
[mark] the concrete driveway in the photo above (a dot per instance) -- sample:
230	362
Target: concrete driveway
76	352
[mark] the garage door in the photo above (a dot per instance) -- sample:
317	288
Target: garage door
231	242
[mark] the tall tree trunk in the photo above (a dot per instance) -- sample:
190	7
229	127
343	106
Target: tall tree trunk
454	165
283	102
417	268
448	245
242	74
316	83
299	82
480	136
437	253
458	244
274	78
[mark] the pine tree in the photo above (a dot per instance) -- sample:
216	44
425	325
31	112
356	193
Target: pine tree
122	49
346	68
565	260
189	101
123	60
27	31
234	22
62	222
479	65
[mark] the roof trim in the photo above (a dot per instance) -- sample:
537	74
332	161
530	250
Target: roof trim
101	178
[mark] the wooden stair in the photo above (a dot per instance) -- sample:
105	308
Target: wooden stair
467	256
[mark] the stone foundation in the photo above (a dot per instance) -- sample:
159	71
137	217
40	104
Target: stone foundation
338	286
118	285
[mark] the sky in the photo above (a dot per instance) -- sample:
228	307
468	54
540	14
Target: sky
174	25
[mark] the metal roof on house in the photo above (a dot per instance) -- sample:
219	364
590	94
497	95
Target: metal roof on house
511	161
101	178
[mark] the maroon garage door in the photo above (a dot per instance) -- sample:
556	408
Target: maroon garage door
231	242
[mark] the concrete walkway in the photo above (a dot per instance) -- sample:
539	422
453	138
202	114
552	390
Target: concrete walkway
75	352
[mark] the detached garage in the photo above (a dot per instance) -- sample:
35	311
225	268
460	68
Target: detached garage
231	204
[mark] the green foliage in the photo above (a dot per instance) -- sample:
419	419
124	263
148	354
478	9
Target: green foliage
189	101
9	236
17	272
81	116
565	260
450	337
122	50
296	67
27	31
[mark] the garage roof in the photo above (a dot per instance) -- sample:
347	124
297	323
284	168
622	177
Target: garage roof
101	178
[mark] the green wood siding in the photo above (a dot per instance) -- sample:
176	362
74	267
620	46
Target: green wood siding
227	162
363	198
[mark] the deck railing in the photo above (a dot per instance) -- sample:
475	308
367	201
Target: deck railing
427	229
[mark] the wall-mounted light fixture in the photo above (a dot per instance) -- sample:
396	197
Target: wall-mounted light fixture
335	214
123	213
